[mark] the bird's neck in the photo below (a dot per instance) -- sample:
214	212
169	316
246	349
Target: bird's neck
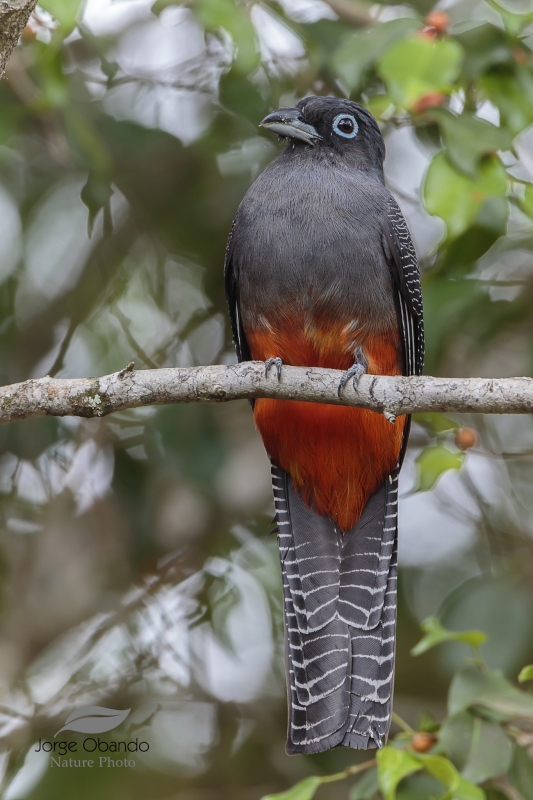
298	153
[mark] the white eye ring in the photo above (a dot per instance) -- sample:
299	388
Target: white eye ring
336	121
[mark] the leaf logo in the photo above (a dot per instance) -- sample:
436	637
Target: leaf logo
94	719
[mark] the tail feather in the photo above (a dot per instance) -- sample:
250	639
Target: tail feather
366	560
340	612
373	673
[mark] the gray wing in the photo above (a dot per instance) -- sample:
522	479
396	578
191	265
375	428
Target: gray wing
403	264
231	281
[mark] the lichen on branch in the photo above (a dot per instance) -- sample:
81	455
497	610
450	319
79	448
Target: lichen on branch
392	396
14	15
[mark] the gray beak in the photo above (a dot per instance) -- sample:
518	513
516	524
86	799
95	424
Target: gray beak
288	122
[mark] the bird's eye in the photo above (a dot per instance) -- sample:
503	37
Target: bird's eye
345	125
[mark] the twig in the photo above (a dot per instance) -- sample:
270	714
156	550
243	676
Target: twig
132	341
350	771
123	372
392	396
401	723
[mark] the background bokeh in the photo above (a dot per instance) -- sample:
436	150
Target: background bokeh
136	570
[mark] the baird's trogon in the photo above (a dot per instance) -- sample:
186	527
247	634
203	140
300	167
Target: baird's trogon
321	271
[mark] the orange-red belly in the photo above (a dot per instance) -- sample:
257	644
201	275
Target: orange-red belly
337	456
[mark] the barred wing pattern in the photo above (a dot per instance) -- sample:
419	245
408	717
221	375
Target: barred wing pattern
231	283
340	615
406	277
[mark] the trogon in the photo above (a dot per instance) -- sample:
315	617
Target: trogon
321	271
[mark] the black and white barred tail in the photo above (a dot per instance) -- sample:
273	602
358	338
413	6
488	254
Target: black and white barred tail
340	619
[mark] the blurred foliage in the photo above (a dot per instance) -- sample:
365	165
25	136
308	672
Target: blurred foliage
136	571
432	462
436	634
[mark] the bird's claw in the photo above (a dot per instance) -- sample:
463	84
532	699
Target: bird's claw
356	371
273	362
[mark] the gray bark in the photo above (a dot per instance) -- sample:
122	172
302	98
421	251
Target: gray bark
14	15
97	397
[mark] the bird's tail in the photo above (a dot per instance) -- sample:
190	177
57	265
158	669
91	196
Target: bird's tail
340	618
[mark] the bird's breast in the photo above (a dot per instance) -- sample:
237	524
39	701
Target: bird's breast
319	338
313	254
314	286
336	456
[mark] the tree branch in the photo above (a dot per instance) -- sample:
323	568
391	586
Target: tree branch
97	397
14	14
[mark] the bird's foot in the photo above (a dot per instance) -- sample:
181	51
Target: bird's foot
355	372
273	362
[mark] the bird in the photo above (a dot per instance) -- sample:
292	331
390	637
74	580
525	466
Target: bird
321	271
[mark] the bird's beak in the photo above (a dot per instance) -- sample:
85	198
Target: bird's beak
288	122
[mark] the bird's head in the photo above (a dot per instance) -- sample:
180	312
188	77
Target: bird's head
339	125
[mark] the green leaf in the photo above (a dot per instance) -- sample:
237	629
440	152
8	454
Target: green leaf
489	603
492	219
218	597
96	195
358	51
490	752
378	104
445	772
490	694
515	14
478	748
496	793
521	773
468	138
435	422
427	723
465	790
415	67
89	144
441	768
455	737
235	20
485	46
393	765
458	198
419	786
433	462
366	787
527	202
304	790
526	674
64	11
512	94
436	634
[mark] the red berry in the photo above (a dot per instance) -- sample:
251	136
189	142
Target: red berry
439	20
421	742
465	438
427	101
520	56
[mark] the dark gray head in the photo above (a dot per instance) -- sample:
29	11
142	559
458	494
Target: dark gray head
331	124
